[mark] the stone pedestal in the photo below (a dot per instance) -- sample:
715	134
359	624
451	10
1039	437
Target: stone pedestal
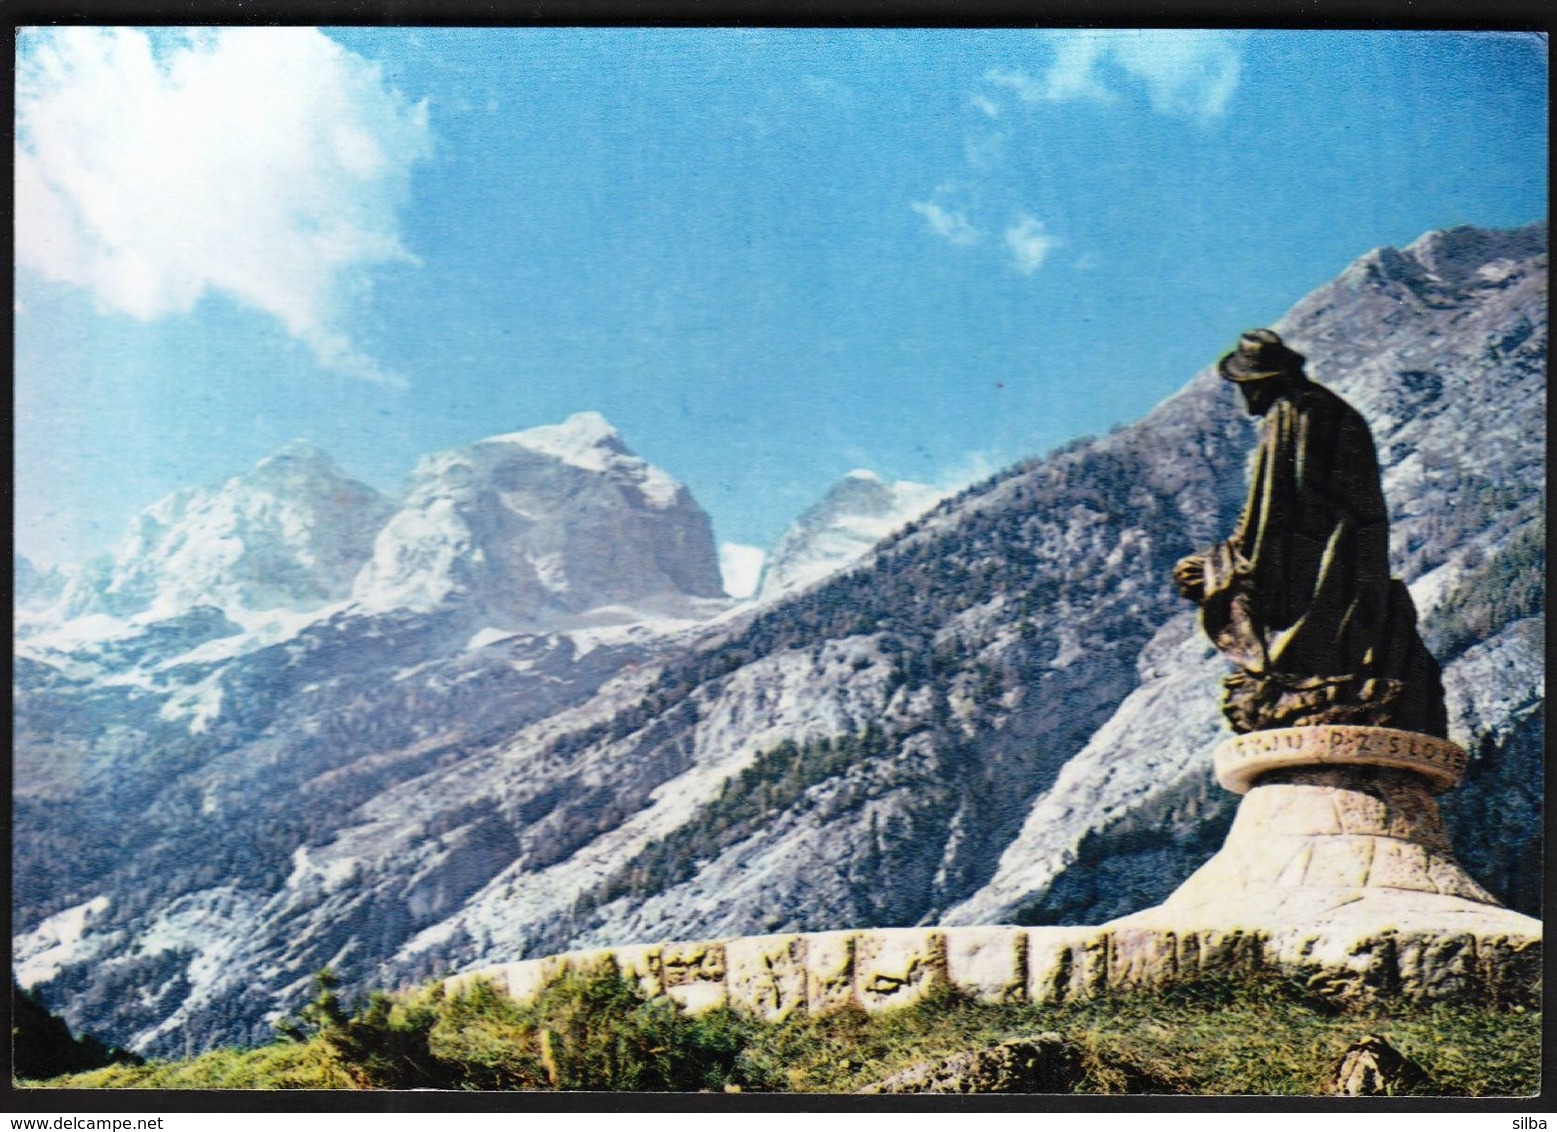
1338	833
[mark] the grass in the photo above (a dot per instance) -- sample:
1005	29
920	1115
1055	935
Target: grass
284	1065
1214	1038
597	1031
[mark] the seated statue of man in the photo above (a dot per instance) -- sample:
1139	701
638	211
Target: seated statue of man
1300	597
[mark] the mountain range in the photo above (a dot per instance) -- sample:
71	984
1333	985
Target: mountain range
290	723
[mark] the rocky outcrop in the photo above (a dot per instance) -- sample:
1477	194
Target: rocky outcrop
1371	1067
1042	1064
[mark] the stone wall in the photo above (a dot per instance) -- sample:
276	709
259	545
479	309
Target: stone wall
773	976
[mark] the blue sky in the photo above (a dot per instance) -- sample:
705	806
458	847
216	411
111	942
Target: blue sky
768	257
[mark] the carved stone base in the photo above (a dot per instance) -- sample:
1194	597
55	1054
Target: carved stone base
1242	760
1338	828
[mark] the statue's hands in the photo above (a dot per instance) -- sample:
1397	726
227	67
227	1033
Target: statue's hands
1190	577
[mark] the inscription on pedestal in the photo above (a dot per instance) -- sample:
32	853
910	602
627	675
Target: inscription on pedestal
1242	759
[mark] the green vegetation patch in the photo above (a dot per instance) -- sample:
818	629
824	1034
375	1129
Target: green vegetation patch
311	1065
1262	1036
598	1031
43	1046
773	784
1509	585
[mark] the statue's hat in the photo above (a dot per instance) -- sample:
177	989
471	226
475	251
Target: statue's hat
1260	354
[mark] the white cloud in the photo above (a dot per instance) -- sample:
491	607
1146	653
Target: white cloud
1187	73
1030	244
974	467
984	150
988	105
265	164
1072	75
1191	74
952	226
741	567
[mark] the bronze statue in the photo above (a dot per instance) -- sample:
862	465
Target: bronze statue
1300	597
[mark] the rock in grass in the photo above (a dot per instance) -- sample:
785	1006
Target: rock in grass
1372	1068
1042	1064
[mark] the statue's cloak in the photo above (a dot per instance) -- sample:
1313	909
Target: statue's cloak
1301	598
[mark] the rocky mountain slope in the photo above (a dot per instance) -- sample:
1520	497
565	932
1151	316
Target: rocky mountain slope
255	660
1003	712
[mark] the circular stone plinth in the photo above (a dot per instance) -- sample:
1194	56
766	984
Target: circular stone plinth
1242	759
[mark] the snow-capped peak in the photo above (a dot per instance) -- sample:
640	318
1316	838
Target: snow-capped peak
290	533
585	440
301	452
857	512
540	527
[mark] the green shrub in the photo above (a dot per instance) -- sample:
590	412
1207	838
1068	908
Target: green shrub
42	1045
597	1030
486	1034
585	1030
